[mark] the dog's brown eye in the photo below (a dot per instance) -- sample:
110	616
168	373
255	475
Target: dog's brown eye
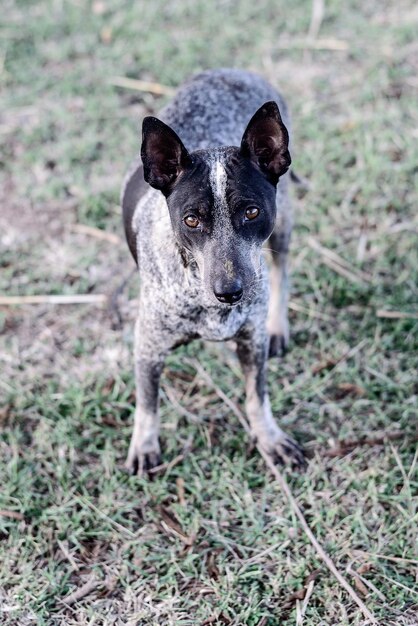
191	221
252	213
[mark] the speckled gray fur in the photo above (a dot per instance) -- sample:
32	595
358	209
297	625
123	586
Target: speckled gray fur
177	304
218	118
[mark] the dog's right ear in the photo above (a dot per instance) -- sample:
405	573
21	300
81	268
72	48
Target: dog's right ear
163	154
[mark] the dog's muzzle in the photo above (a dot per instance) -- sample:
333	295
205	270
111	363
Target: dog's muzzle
228	292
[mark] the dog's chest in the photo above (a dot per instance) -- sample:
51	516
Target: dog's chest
220	327
178	304
191	318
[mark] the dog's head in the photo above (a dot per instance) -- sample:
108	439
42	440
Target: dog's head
221	201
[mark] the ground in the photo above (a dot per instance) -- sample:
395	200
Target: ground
212	538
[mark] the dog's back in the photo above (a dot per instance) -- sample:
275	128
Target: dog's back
213	108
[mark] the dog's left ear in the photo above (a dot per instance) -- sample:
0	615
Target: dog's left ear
163	154
266	140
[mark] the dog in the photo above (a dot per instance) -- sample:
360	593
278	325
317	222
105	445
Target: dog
208	190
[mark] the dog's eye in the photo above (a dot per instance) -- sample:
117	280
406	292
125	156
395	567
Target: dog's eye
191	221
252	213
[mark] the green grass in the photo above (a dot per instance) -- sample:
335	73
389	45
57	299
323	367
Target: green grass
211	540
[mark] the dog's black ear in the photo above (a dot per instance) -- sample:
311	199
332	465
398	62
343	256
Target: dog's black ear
266	142
163	154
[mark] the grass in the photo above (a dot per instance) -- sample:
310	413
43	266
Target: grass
211	540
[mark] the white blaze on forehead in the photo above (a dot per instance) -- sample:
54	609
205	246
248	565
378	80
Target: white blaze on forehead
218	180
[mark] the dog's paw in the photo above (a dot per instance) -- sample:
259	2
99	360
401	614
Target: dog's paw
278	345
139	463
286	451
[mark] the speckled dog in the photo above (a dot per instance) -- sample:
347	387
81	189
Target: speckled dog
211	189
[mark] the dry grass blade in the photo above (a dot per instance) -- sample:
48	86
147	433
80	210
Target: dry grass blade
98	233
319	549
317	15
171	525
328	43
363	584
61	299
89	586
11	515
395	559
338	264
170	393
301	608
348	355
287	491
181	493
256	558
64	549
347	446
112	522
294	306
342	271
396	315
166	467
142	85
397	583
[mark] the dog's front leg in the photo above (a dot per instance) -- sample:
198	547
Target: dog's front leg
150	352
277	322
252	350
277	319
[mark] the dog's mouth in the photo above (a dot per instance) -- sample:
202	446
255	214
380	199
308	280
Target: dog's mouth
227	306
224	292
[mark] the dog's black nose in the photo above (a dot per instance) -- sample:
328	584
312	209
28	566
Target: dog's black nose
228	293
